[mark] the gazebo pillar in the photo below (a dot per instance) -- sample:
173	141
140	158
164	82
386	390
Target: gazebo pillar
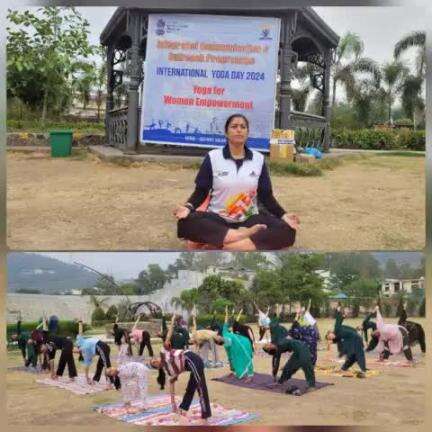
134	81
109	102
326	111
287	59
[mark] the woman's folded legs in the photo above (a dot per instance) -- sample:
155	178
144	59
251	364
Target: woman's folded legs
259	232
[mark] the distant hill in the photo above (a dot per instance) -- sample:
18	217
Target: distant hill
412	258
47	275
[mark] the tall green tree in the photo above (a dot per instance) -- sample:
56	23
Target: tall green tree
187	300
152	279
393	76
42	51
348	63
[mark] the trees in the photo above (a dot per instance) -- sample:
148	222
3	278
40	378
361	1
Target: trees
412	86
151	279
43	49
393	75
348	62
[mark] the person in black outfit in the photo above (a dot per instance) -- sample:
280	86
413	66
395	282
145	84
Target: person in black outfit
64	344
243	329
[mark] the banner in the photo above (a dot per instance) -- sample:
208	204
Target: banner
200	69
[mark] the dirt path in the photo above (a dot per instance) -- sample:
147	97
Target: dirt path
53	204
381	400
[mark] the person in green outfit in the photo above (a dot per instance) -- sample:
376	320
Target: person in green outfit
350	344
299	359
239	352
27	345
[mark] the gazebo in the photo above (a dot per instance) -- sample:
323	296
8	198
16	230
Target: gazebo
305	37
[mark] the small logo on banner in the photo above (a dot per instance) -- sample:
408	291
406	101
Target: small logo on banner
265	34
160	27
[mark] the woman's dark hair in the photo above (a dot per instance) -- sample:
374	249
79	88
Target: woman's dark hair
117	382
115	326
268	350
80	357
231	117
161	378
243	330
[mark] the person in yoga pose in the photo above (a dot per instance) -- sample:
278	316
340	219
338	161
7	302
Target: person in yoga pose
132	379
236	179
299	359
89	348
392	339
141	337
368	324
179	335
206	340
64	344
24	339
416	333
263	321
175	362
239	352
243	329
304	329
350	344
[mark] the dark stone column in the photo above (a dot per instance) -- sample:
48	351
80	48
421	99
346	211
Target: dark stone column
109	103
326	111
287	60
135	72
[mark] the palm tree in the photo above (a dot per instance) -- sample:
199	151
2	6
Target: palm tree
412	87
415	39
364	94
394	74
348	62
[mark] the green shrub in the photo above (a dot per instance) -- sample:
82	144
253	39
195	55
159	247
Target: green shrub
371	139
98	315
66	328
111	313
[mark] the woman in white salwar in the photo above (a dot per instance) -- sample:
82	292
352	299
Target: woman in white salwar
133	382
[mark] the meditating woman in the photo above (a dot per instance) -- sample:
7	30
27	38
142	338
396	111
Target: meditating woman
174	362
132	379
141	337
350	344
239	352
236	180
89	348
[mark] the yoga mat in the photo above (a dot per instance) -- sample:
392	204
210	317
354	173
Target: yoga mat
79	386
265	382
376	363
31	370
158	412
351	373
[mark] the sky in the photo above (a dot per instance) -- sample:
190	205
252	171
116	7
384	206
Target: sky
379	27
121	265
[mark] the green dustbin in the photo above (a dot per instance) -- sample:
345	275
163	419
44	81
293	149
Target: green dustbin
61	143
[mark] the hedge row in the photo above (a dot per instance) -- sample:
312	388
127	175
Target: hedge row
65	328
370	139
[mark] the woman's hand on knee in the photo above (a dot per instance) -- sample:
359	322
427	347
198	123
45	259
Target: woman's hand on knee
181	212
292	220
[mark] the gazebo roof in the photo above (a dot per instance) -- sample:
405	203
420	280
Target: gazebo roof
274	8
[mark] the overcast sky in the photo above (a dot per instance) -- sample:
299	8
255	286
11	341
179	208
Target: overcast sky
121	265
379	27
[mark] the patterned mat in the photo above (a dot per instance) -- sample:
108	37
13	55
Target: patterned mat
158	412
351	373
265	382
79	386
